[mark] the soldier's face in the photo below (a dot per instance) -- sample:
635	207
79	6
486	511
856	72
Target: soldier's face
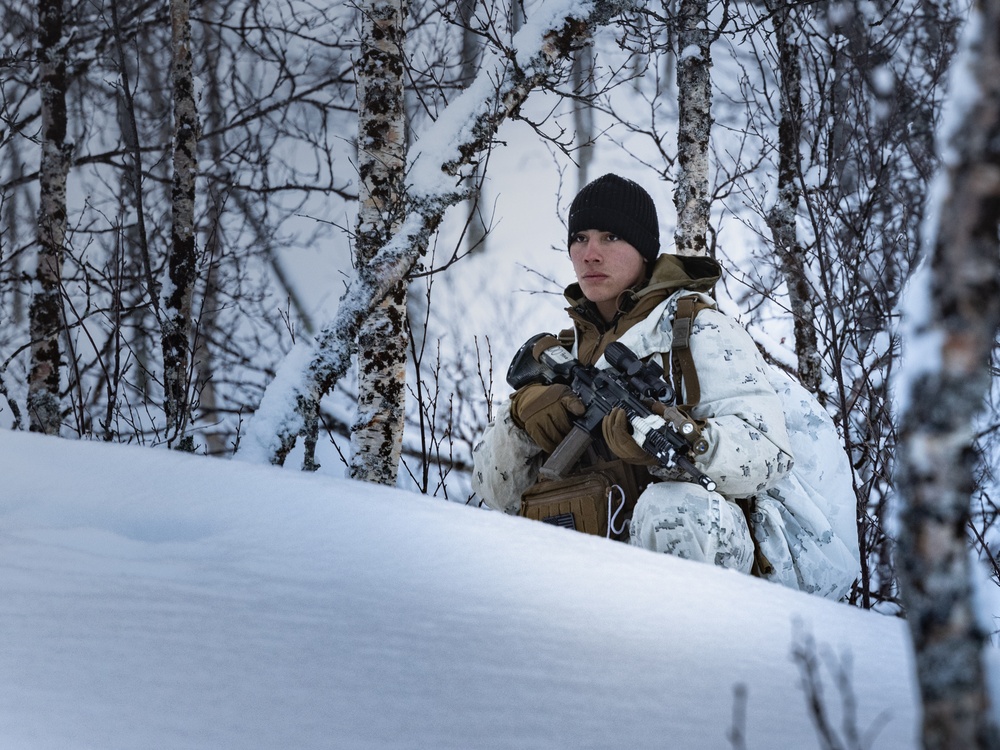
605	266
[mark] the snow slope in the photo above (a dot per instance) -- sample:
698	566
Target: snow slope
155	600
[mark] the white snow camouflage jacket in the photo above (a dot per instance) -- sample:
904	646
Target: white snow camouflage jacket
803	512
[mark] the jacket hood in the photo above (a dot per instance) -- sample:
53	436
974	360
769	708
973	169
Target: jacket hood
670	273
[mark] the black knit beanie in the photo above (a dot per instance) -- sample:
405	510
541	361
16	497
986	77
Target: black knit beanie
614	204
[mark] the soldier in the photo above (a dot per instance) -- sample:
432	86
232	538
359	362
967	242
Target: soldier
627	291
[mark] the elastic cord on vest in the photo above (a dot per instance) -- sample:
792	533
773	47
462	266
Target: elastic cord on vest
613	516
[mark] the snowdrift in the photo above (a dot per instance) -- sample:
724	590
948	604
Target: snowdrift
156	600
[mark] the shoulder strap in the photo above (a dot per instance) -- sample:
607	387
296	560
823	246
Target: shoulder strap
682	363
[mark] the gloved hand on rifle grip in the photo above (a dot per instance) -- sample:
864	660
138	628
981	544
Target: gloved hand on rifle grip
618	435
545	412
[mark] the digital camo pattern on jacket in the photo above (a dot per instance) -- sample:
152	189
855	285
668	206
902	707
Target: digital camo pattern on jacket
802	501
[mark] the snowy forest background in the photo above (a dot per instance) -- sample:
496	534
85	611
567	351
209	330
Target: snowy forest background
202	203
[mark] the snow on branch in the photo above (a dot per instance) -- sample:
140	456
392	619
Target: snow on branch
466	128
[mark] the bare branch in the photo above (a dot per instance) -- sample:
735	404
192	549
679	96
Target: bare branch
463	131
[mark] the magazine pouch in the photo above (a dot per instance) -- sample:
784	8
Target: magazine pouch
597	500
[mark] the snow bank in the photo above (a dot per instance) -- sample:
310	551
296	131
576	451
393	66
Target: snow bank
151	599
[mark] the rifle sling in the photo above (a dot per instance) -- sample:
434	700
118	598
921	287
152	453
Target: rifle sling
682	363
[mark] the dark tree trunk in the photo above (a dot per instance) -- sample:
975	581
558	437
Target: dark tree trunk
182	263
782	218
46	318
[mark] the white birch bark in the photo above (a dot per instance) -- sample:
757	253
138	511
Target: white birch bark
694	86
182	262
461	133
45	314
476	229
948	376
583	113
377	432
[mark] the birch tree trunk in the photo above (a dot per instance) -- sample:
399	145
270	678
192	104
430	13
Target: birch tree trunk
290	405
694	86
45	314
181	264
583	113
213	118
476	230
782	217
947	387
377	432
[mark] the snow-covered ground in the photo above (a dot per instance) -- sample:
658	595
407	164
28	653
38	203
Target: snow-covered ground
156	600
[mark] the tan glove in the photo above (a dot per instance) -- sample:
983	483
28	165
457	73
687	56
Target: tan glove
545	412
618	435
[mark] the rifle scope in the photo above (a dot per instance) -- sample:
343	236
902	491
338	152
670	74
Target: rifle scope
645	377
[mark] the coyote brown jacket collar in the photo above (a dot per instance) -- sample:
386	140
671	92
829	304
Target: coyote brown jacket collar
670	273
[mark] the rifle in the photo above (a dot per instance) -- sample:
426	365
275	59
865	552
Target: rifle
629	384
